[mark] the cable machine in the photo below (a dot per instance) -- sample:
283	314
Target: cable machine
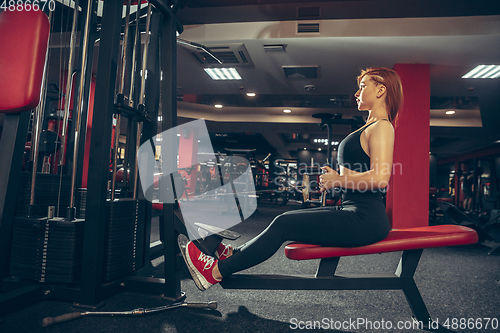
96	218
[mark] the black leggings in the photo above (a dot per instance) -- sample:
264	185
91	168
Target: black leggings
361	221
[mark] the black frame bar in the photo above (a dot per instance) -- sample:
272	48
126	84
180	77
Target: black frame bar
168	61
98	173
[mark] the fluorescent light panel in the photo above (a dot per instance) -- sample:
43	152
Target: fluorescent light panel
223	73
483	72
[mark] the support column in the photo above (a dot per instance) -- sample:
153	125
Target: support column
98	167
168	61
408	191
188	156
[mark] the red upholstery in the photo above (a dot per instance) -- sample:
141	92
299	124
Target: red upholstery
23	43
398	240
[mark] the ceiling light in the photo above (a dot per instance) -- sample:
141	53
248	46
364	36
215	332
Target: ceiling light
319	149
450	112
223	73
218	106
483	72
250	94
287	111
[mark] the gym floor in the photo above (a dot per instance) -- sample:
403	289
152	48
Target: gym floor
456	283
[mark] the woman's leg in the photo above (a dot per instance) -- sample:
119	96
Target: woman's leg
358	225
325	226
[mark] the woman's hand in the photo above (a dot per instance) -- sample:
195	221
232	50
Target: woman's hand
328	179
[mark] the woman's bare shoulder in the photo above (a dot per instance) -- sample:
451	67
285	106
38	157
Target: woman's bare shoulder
381	127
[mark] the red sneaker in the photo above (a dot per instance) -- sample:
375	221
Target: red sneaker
223	251
199	264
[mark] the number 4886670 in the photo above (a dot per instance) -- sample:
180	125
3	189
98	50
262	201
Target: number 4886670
28	5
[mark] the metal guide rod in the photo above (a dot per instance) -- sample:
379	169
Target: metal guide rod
120	92
69	81
137	37
145	55
125	46
37	127
79	105
137	145
115	153
141	96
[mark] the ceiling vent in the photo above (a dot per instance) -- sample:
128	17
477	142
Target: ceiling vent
301	72
312	12
232	54
307	28
275	47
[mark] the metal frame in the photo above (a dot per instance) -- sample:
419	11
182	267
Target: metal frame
92	289
326	279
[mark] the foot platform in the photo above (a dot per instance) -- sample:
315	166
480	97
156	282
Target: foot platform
223	233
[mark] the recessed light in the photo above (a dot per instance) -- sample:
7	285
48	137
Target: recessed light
218	106
450	112
287	111
319	149
250	94
223	73
305	148
483	72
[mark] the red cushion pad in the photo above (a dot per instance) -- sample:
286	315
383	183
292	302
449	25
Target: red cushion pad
398	240
24	37
158	205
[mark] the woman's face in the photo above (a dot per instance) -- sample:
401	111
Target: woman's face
366	94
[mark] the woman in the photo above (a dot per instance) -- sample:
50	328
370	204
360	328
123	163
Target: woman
365	159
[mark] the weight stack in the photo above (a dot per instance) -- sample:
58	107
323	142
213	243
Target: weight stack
81	201
124	238
51	250
47	193
47	250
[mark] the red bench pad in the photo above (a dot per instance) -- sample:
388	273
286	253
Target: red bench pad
24	37
397	240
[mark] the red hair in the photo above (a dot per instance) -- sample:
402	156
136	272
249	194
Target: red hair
390	79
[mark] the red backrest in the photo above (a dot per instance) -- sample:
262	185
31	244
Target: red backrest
24	37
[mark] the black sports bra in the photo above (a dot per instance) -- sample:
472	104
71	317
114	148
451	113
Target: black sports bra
351	155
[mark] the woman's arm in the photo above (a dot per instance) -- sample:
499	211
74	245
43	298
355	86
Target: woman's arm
381	147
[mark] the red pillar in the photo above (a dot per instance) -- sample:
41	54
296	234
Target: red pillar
408	192
188	157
